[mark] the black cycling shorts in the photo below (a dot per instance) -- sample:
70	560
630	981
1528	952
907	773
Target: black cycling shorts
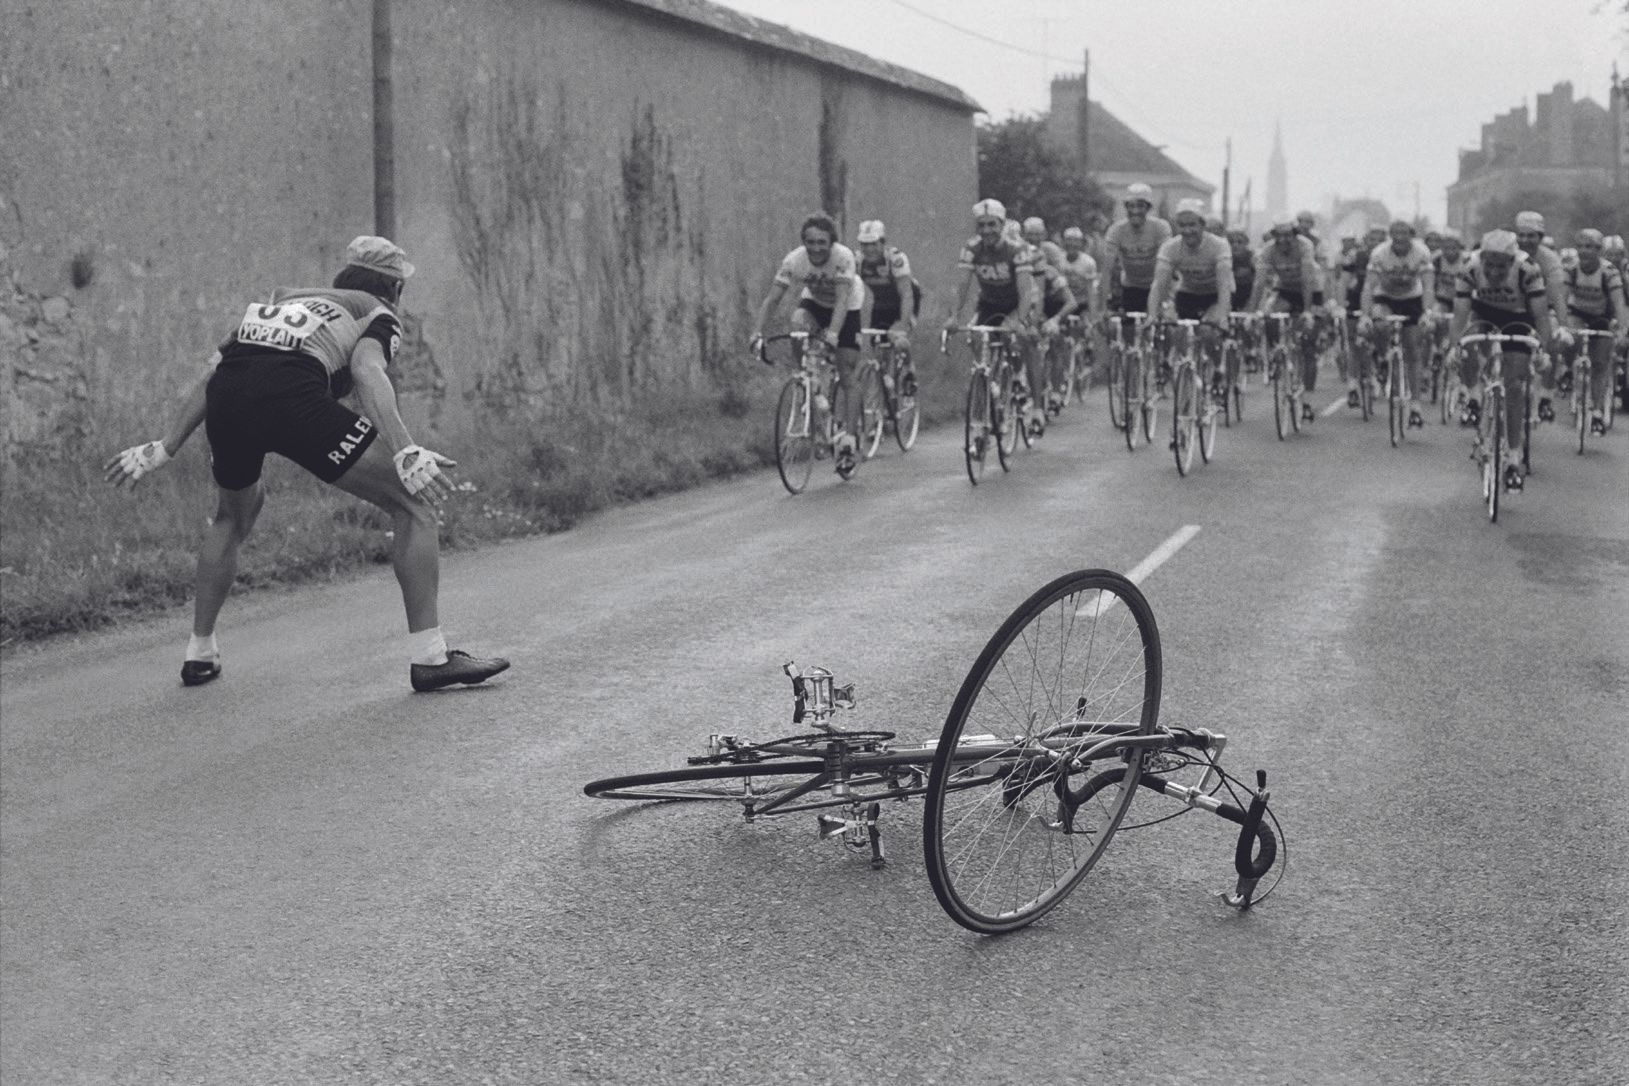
1412	308
884	316
1317	299
1294	299
993	318
1595	322
1051	306
279	403
1134	299
1193	307
1503	319
848	335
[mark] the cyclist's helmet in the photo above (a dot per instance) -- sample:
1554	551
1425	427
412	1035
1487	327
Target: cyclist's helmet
989	209
1074	233
1502	242
1448	233
1035	222
1137	191
1612	244
1190	208
870	230
1590	236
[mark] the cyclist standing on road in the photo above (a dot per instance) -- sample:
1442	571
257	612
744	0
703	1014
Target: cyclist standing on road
271	387
1130	249
886	273
1595	300
1398	281
1503	288
829	304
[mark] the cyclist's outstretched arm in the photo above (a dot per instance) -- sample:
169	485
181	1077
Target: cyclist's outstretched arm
1461	318
961	297
129	466
378	395
777	291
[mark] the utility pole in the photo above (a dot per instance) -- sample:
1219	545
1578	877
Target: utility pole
384	139
1227	170
1083	120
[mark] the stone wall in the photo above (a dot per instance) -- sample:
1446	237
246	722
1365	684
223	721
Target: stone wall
595	193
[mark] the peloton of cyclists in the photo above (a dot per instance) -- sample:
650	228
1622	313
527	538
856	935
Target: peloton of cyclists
830	299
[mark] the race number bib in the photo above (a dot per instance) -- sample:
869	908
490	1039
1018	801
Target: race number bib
285	326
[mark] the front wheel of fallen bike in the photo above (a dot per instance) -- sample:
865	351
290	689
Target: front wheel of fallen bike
794	442
1008	831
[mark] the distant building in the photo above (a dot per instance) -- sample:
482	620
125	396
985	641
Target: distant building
1114	155
1568	146
1278	197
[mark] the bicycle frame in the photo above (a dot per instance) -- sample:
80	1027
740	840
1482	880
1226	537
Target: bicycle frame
989	378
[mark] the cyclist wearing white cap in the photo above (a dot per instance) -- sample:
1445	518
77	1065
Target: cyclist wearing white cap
1200	265
1450	259
830	299
271	386
1399	280
895	299
1532	241
1502	288
1002	269
1595	300
1035	234
1079	268
1130	249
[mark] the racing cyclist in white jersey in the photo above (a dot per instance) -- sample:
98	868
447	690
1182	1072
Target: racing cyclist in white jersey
1596	301
830	299
893	296
1532	241
1130	249
1200	264
1035	234
273	386
1398	280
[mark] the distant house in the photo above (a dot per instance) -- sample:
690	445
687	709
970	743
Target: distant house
1566	147
1115	156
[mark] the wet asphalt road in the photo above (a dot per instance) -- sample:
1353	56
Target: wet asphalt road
304	873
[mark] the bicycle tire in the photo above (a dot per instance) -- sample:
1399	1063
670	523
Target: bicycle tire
1493	478
1395	418
1116	388
1580	385
976	439
1527	423
905	411
873	412
1130	388
1183	408
1150	404
706	783
1230	383
1207	428
1039	855
1366	389
794	442
1278	364
1001	418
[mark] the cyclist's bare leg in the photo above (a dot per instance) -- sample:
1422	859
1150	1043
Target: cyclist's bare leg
235	513
1600	372
1517	365
845	397
415	551
1413	350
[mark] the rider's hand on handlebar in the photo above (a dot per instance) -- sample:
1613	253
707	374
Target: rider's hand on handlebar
829	336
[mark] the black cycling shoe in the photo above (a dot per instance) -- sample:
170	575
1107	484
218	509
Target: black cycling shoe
1513	477
199	672
1563	382
846	463
460	667
1546	411
1307	413
1597	427
1415	421
1472	415
1352	399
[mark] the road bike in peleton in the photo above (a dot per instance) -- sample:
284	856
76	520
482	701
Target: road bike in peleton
1067	366
1486	345
1053	734
1238	348
1194	404
988	422
805	419
1283	373
1132	405
888	384
1393	373
1577	380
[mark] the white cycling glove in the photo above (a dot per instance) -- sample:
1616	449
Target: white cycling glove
417	467
137	461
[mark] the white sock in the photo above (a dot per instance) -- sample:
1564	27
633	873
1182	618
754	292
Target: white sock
203	648
427	646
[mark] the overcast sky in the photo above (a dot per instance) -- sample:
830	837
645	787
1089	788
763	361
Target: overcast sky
1374	96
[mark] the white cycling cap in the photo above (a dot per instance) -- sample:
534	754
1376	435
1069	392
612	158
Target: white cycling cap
378	254
1139	191
871	230
1074	233
1500	241
1530	220
990	209
1190	206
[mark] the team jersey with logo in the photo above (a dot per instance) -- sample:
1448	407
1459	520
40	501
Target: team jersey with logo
1081	272
1597	293
1296	270
1206	268
881	277
323	323
997	268
1511	293
1399	275
1135	250
1448	272
820	283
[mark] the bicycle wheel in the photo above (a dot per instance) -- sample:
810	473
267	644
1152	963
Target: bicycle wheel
905	411
1076	663
1231	394
794	444
1283	406
1117	388
1293	383
1527	424
1131	384
873	411
1150	404
1493	454
1184	405
1580	402
743	784
1395	407
977	432
1366	388
1004	419
1207	428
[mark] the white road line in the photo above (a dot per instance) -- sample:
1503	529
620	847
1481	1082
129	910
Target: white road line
1331	409
1098	604
1162	553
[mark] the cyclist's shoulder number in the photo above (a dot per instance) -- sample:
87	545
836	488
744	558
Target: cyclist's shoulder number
286	326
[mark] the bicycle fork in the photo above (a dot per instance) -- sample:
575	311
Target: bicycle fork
1246	863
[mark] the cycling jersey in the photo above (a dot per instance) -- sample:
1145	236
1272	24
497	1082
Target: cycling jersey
820	283
321	323
1081	273
998	267
1549	266
1129	252
1051	252
1296	270
1244	279
1597	294
1206	268
882	277
1056	295
1503	300
1399	275
1448	272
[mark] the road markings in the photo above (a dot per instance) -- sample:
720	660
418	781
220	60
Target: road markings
1097	604
1331	409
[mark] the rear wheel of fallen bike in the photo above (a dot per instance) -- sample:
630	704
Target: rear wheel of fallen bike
744	784
794	443
1010	827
